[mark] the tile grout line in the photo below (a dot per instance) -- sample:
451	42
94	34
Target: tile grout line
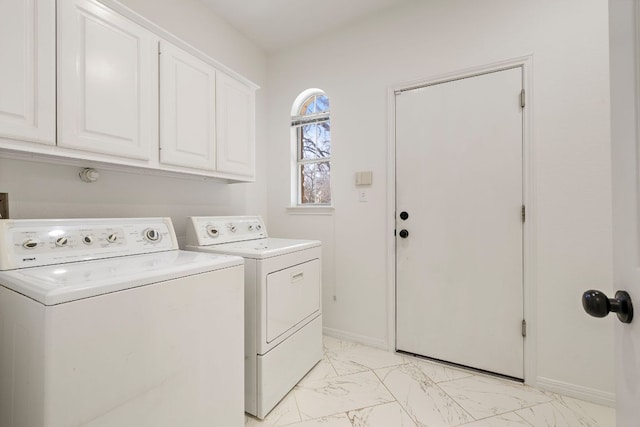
505	382
372	370
435	384
498	415
453	400
344	412
295	399
522	418
325	355
415	420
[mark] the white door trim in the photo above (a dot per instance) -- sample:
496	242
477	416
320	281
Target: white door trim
637	48
529	242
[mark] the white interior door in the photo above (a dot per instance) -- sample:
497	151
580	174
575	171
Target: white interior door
626	199
459	282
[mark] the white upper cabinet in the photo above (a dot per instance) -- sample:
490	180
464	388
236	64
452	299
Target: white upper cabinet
93	81
235	105
107	82
27	70
187	109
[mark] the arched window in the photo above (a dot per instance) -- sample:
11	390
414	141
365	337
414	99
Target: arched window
311	130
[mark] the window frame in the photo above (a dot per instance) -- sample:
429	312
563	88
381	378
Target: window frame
298	121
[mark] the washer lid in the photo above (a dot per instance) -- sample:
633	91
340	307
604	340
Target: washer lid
56	284
259	248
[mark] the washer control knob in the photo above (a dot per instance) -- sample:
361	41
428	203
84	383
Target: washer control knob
151	235
62	241
232	228
251	227
111	238
87	240
30	244
212	231
258	227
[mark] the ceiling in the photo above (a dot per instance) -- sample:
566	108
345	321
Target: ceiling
277	24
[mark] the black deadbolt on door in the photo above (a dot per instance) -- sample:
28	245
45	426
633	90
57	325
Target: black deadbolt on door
404	234
404	215
597	304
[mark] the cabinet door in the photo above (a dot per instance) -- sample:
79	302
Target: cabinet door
27	70
235	127
187	109
107	82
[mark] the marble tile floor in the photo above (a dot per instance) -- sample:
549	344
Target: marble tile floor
359	386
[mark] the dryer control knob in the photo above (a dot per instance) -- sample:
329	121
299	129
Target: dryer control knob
151	235
87	240
30	244
112	238
232	228
62	241
212	231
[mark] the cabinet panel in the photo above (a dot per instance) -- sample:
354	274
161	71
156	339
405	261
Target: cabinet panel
235	126
187	109
107	97
27	70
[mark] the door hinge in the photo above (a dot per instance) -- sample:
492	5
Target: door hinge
522	98
524	213
524	328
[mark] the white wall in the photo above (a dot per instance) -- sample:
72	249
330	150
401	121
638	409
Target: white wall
39	190
571	147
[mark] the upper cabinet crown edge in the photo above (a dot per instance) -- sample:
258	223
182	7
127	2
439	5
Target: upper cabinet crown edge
166	35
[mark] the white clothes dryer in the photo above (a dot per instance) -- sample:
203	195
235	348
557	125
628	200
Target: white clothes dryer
283	313
104	322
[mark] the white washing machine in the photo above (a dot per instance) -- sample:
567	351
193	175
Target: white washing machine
283	316
104	322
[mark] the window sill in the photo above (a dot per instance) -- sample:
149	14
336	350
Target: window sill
310	210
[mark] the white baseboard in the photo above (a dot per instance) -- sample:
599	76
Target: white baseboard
577	391
361	339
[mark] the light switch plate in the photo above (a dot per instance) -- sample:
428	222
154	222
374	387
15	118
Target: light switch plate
364	178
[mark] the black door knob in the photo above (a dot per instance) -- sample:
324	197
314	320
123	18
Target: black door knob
404	234
404	215
597	304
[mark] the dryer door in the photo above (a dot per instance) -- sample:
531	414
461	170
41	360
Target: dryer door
293	295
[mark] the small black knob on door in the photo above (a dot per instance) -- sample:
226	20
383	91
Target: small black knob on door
404	215
597	304
404	234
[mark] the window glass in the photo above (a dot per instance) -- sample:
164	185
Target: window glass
314	141
322	104
316	180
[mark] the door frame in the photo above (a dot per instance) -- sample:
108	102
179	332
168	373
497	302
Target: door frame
528	194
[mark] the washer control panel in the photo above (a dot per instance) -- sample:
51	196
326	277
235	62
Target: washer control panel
30	243
213	230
